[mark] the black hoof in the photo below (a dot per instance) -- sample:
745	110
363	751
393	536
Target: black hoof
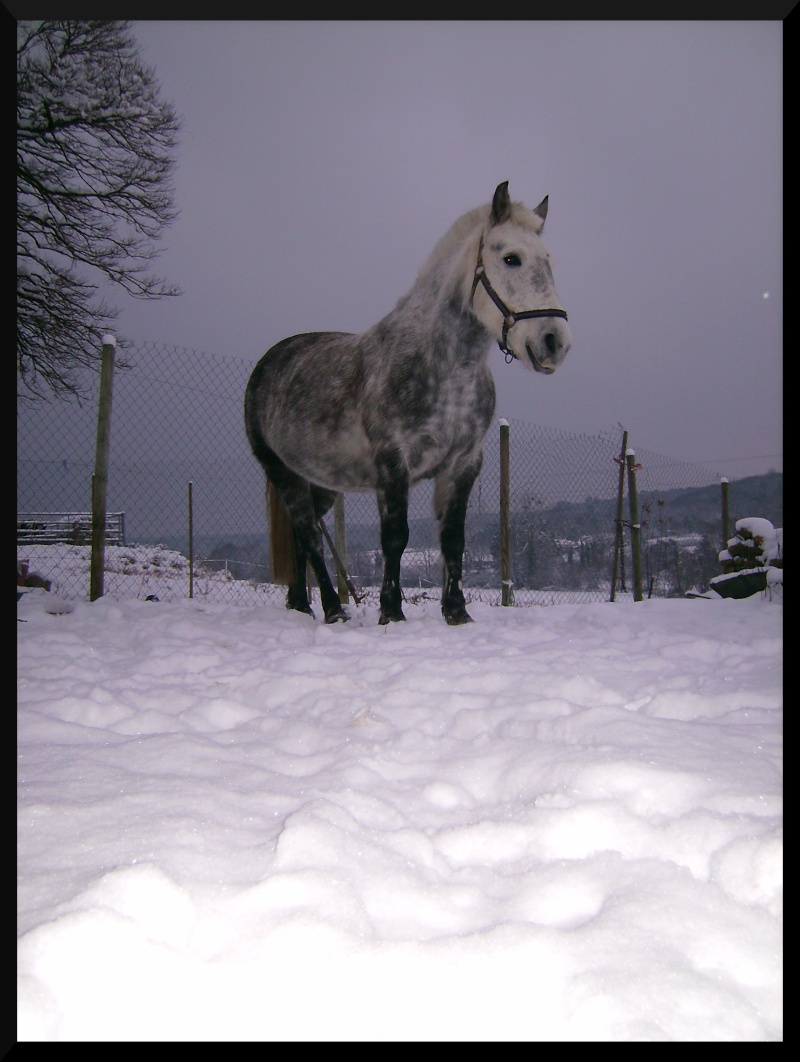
456	618
335	617
390	617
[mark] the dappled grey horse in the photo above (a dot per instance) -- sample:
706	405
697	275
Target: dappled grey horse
409	399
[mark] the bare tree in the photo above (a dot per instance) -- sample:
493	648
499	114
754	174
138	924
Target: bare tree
95	148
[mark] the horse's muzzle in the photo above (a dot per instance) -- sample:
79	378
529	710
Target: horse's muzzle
549	368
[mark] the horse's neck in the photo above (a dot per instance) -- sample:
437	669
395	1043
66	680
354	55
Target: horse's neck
438	301
451	264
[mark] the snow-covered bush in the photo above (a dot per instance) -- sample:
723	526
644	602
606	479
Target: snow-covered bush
753	559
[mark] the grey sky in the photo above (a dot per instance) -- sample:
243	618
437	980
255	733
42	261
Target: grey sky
321	161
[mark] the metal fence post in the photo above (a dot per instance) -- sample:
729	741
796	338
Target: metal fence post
505	505
100	476
618	521
191	543
636	527
726	518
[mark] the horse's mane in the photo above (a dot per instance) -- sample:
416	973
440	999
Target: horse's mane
455	236
474	219
453	258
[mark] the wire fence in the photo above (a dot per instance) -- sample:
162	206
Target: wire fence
177	418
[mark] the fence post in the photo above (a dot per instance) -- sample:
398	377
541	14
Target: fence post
505	505
339	537
726	518
618	522
636	527
100	476
191	543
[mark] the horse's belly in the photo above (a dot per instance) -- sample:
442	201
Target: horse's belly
428	461
339	462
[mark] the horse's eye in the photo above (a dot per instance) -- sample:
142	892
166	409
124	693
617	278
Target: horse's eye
512	260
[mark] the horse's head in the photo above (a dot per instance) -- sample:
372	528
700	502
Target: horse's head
513	292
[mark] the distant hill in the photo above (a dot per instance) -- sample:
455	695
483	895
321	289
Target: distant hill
689	509
700	508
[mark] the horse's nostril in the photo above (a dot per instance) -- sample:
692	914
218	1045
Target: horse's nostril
551	344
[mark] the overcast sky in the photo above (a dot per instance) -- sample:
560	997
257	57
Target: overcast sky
321	161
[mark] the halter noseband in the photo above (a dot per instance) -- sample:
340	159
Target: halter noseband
510	317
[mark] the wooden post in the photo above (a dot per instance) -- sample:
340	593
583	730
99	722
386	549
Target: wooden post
100	477
618	522
505	505
726	517
341	548
636	527
191	543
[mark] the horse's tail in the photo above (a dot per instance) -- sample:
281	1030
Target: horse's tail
281	539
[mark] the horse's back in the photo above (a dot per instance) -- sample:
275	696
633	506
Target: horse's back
297	355
296	375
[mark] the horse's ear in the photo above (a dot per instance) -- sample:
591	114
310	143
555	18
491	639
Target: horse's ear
541	209
501	204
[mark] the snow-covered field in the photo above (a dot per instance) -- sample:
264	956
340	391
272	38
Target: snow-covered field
131	571
551	824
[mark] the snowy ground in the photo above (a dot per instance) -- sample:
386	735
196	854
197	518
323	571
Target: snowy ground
557	823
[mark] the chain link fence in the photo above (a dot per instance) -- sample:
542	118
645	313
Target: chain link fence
177	418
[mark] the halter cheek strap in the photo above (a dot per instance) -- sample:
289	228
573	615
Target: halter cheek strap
510	317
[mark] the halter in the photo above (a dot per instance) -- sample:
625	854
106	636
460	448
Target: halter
510	317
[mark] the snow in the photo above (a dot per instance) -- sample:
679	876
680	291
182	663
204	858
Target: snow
237	823
763	534
755	533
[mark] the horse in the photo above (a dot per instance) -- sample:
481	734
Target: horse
409	399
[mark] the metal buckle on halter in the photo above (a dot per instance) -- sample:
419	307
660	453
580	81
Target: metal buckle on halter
507	352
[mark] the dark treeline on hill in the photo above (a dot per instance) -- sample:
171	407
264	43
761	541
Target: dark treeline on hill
697	508
566	546
692	509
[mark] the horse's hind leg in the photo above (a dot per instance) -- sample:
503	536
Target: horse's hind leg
451	499
288	557
304	503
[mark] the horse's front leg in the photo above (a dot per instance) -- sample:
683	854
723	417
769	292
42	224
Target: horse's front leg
451	500
392	493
